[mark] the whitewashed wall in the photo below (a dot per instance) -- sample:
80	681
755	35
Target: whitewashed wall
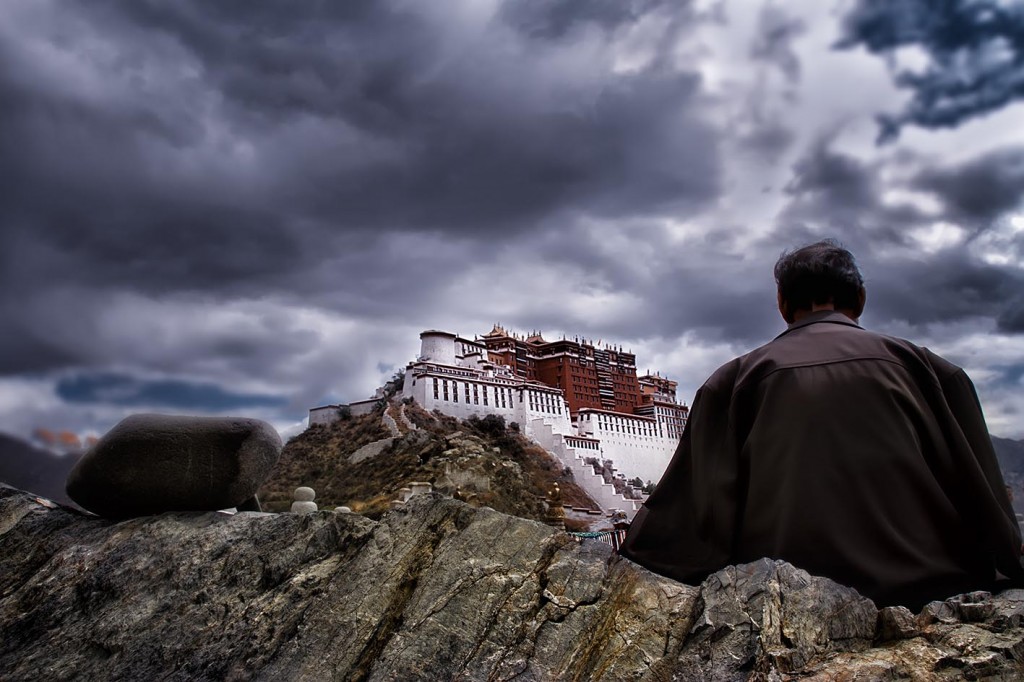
637	454
521	404
328	414
438	347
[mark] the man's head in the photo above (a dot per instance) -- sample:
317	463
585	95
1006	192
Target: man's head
819	276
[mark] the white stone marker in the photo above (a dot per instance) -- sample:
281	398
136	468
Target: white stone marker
418	488
304	503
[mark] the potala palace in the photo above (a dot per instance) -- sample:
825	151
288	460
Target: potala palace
577	400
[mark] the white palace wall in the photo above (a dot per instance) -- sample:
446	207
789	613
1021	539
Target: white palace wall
462	393
633	443
327	414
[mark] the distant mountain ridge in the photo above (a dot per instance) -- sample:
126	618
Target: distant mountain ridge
35	470
1010	454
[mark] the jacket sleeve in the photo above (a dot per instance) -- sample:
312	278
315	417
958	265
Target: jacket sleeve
716	471
983	498
664	534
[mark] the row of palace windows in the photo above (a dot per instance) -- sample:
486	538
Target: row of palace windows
544	402
473	393
623	425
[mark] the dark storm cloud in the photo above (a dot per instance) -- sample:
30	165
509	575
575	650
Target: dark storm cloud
768	139
1011	319
255	149
980	190
72	327
422	139
975	50
553	20
837	190
437	135
773	43
947	287
836	179
24	351
1012	375
674	286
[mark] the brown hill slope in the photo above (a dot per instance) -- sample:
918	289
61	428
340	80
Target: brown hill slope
482	461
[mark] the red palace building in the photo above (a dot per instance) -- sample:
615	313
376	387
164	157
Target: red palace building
589	376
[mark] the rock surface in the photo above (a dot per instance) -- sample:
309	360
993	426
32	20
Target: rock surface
438	590
152	463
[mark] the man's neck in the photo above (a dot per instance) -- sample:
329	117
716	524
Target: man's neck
800	315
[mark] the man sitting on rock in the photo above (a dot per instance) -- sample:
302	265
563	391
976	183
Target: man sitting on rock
852	455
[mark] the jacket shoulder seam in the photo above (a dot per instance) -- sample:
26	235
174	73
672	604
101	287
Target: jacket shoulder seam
835	361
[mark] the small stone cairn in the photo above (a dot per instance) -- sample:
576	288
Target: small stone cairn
304	503
415	488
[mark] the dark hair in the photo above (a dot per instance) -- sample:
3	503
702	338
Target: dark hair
823	272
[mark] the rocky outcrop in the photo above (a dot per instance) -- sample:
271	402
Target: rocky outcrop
438	590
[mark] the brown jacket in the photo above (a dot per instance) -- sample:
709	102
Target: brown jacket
850	454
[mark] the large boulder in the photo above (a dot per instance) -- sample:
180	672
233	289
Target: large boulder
152	463
437	590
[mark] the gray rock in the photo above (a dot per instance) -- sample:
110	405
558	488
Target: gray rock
149	464
436	590
896	622
974	607
770	616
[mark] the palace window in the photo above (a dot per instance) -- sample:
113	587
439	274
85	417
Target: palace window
435	388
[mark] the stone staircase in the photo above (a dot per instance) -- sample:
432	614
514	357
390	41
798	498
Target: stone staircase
404	419
389	422
378	446
583	473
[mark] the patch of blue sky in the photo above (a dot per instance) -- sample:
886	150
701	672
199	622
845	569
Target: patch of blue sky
125	390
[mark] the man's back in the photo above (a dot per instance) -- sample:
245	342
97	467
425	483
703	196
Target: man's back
850	454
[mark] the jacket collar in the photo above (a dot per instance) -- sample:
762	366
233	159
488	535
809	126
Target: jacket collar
829	316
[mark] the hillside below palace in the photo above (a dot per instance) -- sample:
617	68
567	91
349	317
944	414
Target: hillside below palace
572	397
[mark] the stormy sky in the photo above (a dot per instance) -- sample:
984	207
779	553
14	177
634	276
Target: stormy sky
255	207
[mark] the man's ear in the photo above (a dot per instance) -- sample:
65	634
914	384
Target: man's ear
784	310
